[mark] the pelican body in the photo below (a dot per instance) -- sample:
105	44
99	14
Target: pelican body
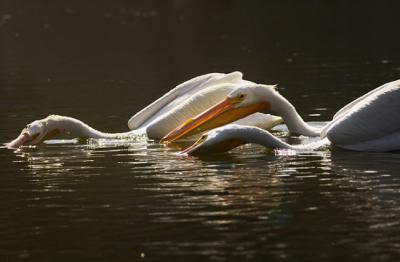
369	123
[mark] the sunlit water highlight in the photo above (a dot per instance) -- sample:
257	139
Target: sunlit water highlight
115	201
140	198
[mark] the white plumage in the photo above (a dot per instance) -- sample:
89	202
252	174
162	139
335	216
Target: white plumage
370	123
179	94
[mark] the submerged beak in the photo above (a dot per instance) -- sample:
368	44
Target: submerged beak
23	138
190	149
218	115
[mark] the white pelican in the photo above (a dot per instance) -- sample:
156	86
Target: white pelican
228	137
157	119
369	123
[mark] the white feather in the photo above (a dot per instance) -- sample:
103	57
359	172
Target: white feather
370	123
185	101
260	120
170	117
179	94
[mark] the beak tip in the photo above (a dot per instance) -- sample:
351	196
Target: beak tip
12	145
9	146
19	141
168	138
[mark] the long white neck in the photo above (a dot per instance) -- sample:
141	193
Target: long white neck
77	128
296	125
265	138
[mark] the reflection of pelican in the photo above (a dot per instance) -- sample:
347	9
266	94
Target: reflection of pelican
369	123
171	110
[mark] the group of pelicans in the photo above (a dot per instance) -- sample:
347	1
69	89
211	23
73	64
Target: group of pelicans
228	111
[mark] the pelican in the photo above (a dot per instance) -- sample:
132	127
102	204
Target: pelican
157	119
230	136
369	123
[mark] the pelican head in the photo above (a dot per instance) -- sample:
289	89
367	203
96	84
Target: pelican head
218	140
37	131
241	102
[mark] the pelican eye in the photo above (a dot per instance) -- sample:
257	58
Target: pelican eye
237	99
240	98
202	138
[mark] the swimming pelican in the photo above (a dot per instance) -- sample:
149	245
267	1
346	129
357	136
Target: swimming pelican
369	123
230	136
157	119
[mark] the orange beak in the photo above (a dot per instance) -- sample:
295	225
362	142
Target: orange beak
218	115
23	138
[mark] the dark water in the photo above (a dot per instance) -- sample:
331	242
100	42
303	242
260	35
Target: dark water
103	61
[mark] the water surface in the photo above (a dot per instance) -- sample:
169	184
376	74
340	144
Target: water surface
141	200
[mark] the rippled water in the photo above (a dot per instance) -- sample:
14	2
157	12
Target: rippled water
95	202
118	201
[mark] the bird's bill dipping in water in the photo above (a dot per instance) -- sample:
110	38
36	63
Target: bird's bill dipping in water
224	112
204	146
22	139
34	133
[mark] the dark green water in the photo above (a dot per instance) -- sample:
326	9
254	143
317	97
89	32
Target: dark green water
103	61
